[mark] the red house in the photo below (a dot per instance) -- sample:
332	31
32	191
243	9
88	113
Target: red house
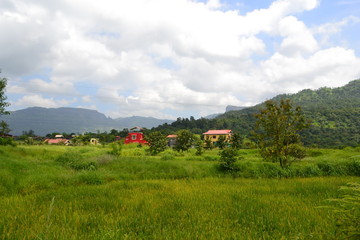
135	136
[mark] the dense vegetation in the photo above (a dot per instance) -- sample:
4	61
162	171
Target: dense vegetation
334	113
59	192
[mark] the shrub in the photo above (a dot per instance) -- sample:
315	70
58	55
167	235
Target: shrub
228	157
7	141
327	168
157	142
167	156
116	148
353	167
199	147
76	161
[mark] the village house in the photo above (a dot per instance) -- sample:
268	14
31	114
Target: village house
135	136
59	139
171	140
94	141
214	135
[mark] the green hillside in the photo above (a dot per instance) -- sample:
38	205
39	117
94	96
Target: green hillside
334	113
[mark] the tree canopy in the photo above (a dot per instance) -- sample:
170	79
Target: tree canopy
3	103
277	132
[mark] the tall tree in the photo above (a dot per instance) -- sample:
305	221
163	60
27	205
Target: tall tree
277	132
184	140
157	142
4	128
3	103
236	140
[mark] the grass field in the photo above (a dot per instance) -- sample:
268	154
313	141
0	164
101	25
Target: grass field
58	192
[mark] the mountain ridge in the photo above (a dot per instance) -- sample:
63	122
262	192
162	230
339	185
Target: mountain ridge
334	112
71	120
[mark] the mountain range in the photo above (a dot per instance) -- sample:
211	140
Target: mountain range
71	120
334	114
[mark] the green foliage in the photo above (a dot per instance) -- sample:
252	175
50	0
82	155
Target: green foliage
76	161
228	158
222	142
277	132
347	209
3	103
208	143
7	141
157	142
90	208
335	116
116	148
199	146
168	156
236	140
29	141
4	128
184	140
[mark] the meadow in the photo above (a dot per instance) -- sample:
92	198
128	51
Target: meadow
60	192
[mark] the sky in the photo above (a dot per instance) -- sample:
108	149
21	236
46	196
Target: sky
173	58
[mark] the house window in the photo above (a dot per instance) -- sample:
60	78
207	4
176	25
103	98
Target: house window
133	137
214	137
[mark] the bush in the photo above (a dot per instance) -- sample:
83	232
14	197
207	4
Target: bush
167	156
76	161
157	142
228	157
116	148
7	141
353	167
328	169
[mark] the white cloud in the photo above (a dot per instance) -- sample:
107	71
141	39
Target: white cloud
298	38
150	58
328	30
43	87
38	100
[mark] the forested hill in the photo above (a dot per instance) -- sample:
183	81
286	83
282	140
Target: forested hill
334	112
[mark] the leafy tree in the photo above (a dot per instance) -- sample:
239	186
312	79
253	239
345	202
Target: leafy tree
221	142
236	140
29	133
184	140
157	142
228	158
208	143
199	146
277	132
3	103
4	128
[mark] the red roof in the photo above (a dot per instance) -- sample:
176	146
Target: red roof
56	141
171	136
217	132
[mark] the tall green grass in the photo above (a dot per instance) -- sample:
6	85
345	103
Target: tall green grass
59	192
210	208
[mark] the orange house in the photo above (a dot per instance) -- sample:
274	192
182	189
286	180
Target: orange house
214	135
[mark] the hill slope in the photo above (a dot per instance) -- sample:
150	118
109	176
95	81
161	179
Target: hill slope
71	120
335	116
